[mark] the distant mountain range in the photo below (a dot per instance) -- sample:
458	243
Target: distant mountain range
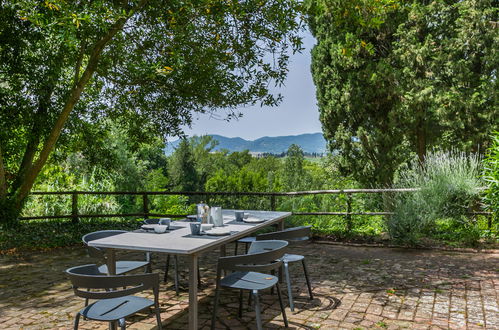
310	143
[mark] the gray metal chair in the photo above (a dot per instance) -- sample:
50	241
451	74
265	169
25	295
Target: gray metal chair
175	262
263	256
247	241
113	305
296	234
122	266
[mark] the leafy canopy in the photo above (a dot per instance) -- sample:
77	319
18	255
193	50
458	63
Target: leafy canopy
145	64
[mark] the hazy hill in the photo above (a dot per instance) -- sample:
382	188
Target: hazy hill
308	142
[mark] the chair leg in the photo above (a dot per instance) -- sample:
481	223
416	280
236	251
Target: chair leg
215	306
235	250
240	312
77	321
166	268
288	284
158	315
307	279
112	325
199	277
148	268
283	311
122	324
175	268
272	288
246	247
257	311
249	301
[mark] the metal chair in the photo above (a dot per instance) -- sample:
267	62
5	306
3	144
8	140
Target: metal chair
247	241
263	256
122	266
175	262
296	234
113	305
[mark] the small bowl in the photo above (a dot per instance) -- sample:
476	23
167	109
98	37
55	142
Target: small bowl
160	229
206	226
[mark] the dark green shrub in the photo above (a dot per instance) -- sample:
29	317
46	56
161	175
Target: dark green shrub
491	176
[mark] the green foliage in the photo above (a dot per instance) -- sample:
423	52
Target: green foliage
41	235
491	176
182	172
293	174
448	188
172	204
395	79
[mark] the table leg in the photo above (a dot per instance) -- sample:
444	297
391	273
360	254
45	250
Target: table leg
111	261
193	292
223	250
280	225
223	253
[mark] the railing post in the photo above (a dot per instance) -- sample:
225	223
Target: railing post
74	207
145	205
349	210
272	202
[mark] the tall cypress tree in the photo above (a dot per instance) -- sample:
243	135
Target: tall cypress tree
395	78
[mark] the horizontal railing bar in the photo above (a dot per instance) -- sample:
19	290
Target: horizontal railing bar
342	213
184	215
84	216
232	193
222	193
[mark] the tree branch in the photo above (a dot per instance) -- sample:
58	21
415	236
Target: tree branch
71	101
79	60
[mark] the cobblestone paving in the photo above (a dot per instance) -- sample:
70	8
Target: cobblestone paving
354	288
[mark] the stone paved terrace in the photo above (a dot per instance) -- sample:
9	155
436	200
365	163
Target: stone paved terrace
354	287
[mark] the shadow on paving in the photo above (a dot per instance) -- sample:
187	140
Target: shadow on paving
354	287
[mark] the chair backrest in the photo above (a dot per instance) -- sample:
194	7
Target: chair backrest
88	277
94	251
151	221
291	234
262	256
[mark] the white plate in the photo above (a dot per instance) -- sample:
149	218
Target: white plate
218	232
254	220
149	227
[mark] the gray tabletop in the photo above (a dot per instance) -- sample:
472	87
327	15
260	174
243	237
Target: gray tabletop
180	241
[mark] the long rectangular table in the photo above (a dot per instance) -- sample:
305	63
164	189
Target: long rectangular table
181	242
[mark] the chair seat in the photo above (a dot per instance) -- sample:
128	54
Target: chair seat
115	308
248	239
124	266
292	258
248	281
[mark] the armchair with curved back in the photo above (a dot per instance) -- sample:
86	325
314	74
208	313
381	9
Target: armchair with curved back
292	235
250	272
122	266
113	305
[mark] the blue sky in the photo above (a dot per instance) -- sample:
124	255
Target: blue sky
297	113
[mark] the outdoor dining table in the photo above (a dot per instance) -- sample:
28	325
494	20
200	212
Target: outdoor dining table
180	241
